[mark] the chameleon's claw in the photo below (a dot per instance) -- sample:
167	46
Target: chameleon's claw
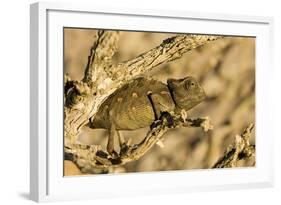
113	154
168	117
111	151
164	116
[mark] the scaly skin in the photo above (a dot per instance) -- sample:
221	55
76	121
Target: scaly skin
139	103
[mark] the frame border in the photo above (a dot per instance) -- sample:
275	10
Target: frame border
39	75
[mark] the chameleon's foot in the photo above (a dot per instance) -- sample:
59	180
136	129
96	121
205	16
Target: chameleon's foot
112	152
168	118
123	148
155	124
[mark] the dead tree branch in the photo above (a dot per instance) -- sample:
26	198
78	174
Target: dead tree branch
89	157
102	78
169	50
101	54
241	150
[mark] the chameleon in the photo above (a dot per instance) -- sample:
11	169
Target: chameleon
141	102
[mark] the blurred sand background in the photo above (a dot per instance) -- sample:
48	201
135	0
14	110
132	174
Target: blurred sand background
226	70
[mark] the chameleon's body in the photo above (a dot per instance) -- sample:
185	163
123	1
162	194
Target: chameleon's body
130	108
141	102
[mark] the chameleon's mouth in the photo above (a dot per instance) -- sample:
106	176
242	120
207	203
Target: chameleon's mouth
170	83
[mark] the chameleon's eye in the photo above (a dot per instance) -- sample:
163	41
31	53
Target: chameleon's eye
189	84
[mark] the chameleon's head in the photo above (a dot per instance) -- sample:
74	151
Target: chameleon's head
186	92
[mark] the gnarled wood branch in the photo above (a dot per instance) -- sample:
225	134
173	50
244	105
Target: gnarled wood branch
89	157
169	50
102	78
101	54
241	150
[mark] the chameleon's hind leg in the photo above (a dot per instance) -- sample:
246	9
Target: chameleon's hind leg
120	139
111	141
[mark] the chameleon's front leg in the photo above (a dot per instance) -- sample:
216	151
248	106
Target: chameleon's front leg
162	104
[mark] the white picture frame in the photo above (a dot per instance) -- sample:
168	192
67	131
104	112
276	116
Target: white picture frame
46	139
